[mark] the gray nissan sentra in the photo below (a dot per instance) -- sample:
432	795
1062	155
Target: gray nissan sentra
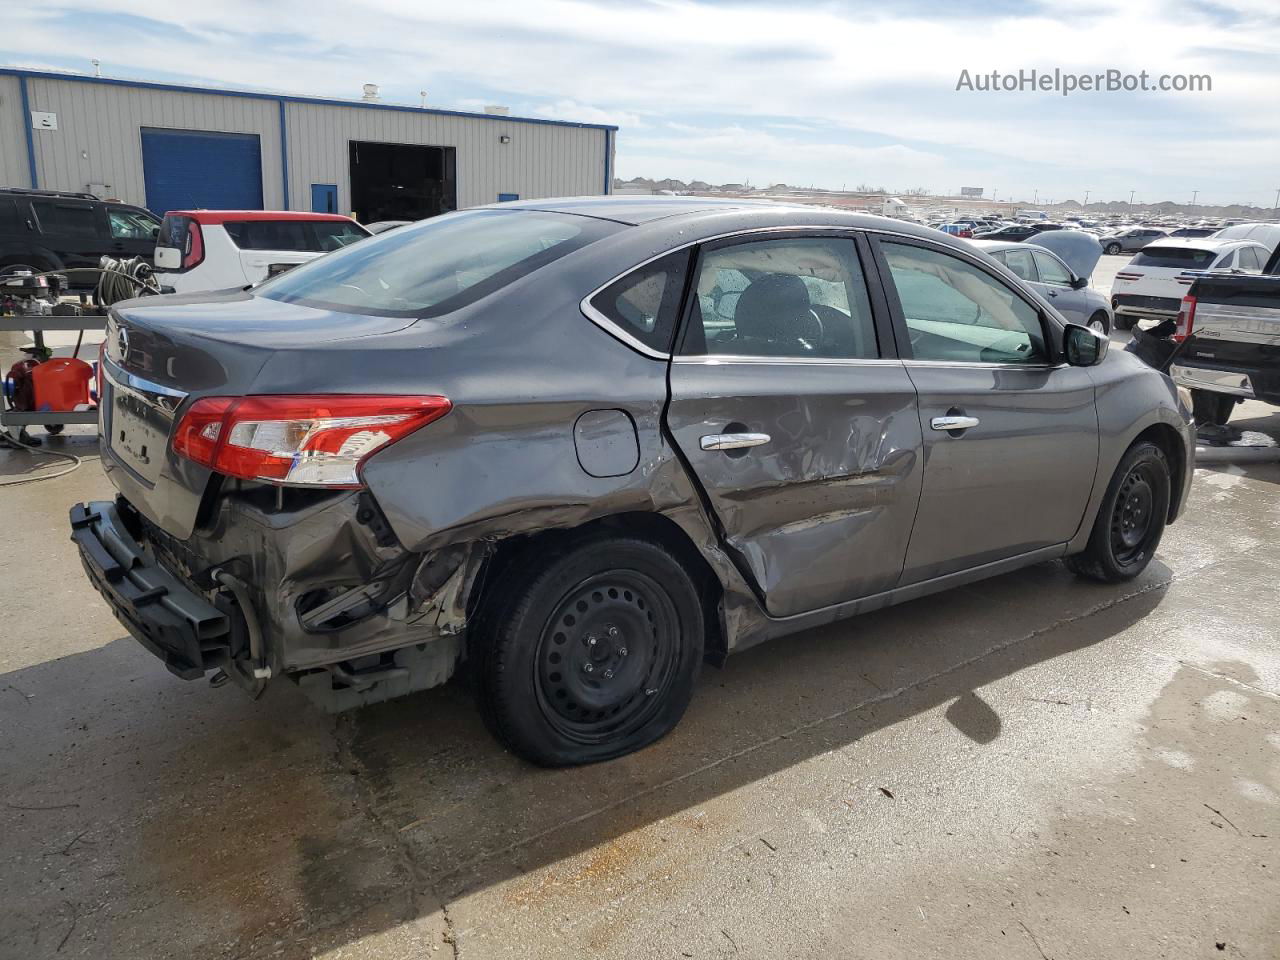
584	445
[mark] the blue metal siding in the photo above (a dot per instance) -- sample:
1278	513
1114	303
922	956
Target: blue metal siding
183	169
508	197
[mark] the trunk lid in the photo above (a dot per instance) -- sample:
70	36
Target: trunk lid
161	353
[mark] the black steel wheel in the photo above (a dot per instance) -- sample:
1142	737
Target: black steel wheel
1133	512
1131	518
589	652
604	656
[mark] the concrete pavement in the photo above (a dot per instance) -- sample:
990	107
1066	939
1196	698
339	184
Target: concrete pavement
1029	767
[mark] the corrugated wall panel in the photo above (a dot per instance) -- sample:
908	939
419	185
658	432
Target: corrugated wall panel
98	139
13	136
542	160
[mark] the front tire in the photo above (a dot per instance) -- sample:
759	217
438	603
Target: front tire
1112	249
1131	518
589	653
1100	323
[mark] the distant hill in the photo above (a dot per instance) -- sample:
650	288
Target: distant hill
918	197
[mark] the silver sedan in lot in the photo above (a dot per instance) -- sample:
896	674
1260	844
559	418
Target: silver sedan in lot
586	445
1047	274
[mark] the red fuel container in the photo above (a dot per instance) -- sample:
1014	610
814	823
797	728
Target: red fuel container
61	383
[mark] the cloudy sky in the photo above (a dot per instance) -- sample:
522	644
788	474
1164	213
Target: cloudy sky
826	94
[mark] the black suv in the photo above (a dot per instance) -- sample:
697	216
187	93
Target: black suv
44	230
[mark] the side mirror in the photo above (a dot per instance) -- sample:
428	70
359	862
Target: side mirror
1079	283
155	232
1084	346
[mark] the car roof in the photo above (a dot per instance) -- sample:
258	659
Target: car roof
1201	243
702	218
635	210
241	216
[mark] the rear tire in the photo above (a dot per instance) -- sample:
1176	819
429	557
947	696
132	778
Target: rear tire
1131	518
1211	409
1125	323
1112	249
556	698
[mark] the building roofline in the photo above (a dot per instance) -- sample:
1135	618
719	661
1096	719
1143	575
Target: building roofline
289	98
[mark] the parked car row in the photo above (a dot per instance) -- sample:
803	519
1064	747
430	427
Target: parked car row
192	250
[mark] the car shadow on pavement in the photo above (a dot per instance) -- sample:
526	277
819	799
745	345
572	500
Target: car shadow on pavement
158	818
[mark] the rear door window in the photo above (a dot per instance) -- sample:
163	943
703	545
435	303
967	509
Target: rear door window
1020	262
68	219
1177	258
800	297
300	236
645	303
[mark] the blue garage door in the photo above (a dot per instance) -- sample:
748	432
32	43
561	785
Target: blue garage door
183	169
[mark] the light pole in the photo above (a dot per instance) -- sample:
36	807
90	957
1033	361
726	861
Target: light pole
1194	194
1035	198
1131	193
1277	206
1086	200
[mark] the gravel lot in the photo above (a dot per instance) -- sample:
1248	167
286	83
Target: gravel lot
1031	767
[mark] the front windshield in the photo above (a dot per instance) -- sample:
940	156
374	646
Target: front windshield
438	265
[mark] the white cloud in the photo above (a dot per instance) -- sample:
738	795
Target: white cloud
845	72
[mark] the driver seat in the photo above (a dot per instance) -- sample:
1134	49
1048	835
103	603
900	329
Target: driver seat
773	316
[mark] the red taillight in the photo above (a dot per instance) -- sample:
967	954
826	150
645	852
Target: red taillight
193	249
310	441
1186	319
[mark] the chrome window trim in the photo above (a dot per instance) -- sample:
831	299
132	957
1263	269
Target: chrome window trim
720	359
611	328
618	333
979	365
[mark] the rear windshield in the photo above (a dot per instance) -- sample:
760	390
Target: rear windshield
304	236
1182	258
436	266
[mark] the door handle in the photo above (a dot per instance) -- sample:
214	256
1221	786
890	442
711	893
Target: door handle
732	441
953	423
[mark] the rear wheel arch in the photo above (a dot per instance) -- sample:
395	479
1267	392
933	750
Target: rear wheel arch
37	257
510	556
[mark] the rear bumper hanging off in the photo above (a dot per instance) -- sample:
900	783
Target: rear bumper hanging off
163	614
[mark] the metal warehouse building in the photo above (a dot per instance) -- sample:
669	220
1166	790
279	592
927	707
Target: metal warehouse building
169	147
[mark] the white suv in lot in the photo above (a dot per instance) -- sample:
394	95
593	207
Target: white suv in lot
217	249
1151	286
